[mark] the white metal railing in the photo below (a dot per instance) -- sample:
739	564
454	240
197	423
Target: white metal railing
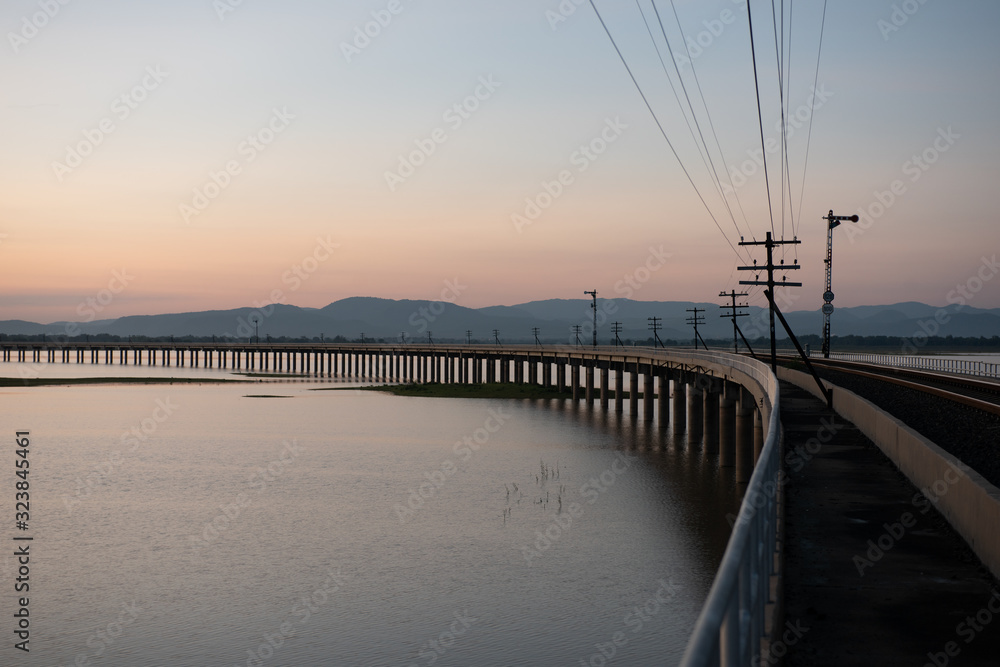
731	625
928	363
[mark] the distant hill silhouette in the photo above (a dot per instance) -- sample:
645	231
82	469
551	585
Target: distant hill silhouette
389	318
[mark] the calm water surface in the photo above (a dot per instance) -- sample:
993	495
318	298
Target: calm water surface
196	525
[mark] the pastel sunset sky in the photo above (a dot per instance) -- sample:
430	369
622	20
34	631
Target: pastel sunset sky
202	154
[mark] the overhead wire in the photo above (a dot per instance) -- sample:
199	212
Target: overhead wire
812	106
702	145
656	119
760	120
708	114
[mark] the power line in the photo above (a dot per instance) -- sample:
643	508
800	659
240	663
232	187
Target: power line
660	126
694	73
812	105
760	119
711	164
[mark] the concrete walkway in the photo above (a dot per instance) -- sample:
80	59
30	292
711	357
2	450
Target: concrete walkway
874	575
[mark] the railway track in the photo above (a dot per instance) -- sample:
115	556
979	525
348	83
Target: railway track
973	392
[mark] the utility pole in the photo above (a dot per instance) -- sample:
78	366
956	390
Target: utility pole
496	336
534	330
576	330
832	222
362	337
734	314
696	319
654	326
616	329
593	307
468	336
430	341
770	244
402	337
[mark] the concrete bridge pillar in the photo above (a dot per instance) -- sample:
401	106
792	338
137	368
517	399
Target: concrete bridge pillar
560	376
546	373
711	413
680	402
695	408
663	398
619	388
532	370
744	437
647	395
604	387
758	435
575	379
589	394
727	426
633	391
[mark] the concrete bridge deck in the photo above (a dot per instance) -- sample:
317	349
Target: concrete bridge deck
873	574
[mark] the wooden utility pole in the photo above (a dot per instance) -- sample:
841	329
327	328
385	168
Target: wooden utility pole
770	244
734	314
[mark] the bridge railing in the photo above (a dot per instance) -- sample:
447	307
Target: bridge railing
731	625
928	363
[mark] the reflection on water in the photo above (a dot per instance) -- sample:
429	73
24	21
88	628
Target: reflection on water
192	525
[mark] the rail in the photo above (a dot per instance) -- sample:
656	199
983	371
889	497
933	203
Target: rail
927	363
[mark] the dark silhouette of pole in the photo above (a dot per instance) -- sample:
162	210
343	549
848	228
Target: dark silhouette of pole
616	329
655	326
576	330
770	244
496	336
468	336
733	314
832	222
534	330
696	319
593	306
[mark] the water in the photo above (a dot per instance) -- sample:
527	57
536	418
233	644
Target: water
193	525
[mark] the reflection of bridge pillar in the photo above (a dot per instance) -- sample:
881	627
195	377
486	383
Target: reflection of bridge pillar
711	412
574	373
744	437
680	402
695	408
663	398
647	395
633	391
619	387
727	427
604	387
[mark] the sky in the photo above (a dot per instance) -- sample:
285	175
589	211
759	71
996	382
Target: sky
182	155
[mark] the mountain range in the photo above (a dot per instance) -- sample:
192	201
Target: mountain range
390	319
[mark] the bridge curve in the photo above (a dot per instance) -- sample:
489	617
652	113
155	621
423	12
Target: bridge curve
730	400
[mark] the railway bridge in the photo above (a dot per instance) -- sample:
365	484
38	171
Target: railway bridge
732	406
